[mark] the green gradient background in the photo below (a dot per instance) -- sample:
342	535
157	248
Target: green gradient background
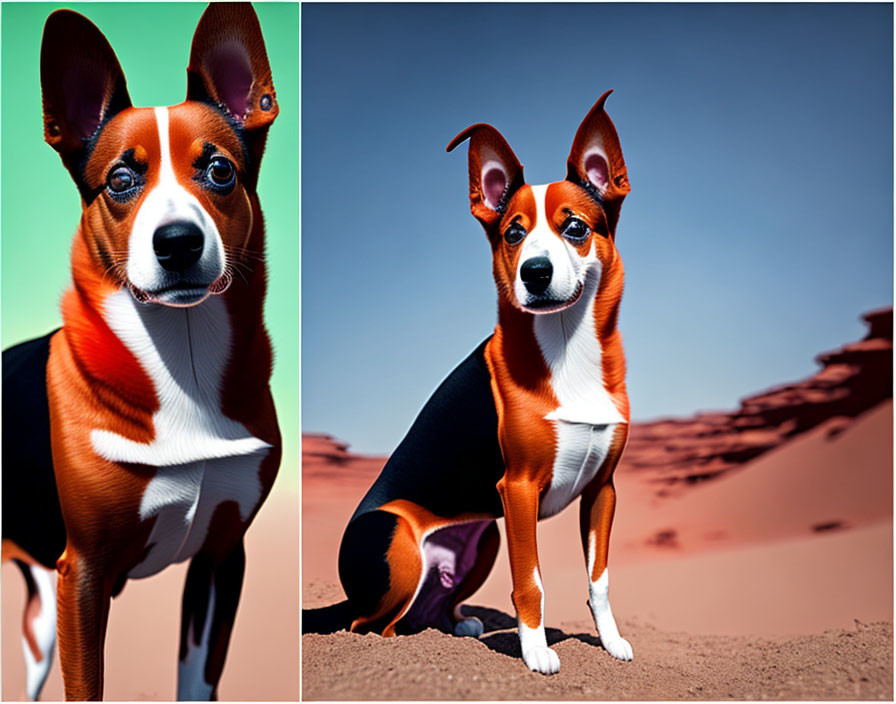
41	207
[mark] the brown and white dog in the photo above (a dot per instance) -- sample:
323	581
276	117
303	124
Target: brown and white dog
143	432
534	418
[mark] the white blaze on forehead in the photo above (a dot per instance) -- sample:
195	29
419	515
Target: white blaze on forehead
538	242
166	170
169	202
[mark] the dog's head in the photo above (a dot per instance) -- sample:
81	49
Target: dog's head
547	239
168	193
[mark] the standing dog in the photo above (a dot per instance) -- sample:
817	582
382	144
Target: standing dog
533	418
143	432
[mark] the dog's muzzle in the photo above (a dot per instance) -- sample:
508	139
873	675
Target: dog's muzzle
536	274
178	246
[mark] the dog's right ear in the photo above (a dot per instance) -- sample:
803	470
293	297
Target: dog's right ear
82	83
495	172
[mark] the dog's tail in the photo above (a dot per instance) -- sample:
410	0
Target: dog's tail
328	619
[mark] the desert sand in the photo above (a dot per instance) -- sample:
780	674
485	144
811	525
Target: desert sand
144	622
771	579
841	664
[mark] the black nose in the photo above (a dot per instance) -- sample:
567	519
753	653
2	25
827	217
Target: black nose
178	245
536	274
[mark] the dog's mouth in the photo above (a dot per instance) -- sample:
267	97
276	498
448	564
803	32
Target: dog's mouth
182	294
542	306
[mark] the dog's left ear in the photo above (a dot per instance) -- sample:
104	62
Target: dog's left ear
595	161
229	68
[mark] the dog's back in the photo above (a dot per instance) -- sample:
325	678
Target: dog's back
450	459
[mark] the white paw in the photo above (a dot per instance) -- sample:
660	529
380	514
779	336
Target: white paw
469	627
542	659
618	647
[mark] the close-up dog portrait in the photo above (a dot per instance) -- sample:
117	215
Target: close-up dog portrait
149	285
652	370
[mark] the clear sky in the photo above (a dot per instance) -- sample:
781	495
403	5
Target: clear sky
759	146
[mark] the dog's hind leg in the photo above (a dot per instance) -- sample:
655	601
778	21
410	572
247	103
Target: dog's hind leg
211	597
38	627
380	568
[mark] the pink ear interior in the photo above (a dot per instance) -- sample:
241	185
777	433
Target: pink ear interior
84	90
597	170
230	72
494	181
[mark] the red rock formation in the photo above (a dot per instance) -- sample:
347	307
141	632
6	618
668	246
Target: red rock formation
325	457
852	380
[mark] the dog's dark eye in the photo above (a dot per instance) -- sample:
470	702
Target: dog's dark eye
121	179
574	229
515	233
220	172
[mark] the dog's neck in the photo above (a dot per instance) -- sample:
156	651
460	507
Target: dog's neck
221	341
576	352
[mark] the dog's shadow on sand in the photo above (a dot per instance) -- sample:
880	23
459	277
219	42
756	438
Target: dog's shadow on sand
500	631
499	628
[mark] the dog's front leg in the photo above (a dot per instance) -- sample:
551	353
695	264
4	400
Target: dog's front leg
211	596
520	498
596	511
83	596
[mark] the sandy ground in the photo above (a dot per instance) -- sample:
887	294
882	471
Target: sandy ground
855	663
144	623
756	585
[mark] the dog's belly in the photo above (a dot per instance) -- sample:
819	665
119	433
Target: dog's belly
581	450
183	499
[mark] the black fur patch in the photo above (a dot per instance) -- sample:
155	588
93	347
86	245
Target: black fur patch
31	515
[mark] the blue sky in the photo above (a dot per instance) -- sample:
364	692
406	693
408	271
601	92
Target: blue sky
759	146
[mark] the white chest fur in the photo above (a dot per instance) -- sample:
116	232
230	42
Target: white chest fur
185	352
203	458
183	499
586	416
581	450
571	349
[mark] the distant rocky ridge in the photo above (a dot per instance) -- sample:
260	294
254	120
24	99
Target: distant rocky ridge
674	452
323	456
852	380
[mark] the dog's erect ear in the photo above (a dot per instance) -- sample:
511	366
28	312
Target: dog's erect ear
595	161
229	68
495	172
82	83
